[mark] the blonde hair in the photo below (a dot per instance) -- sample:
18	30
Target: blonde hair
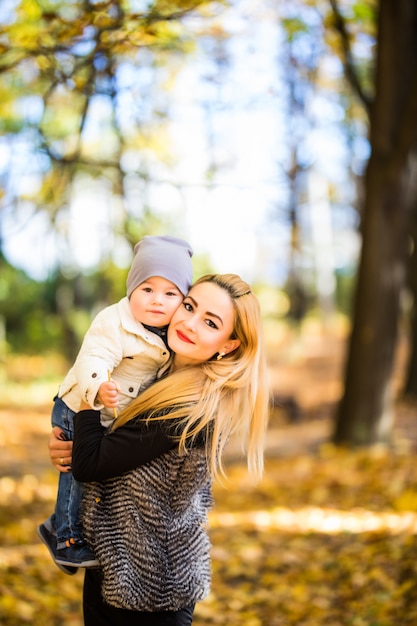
223	397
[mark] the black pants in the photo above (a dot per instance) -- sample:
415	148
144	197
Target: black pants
99	613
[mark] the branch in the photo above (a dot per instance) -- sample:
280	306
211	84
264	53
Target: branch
350	72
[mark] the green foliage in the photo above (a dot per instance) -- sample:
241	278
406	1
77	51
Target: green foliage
72	81
29	323
52	316
345	284
60	57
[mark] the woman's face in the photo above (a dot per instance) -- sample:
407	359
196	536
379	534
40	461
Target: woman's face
202	325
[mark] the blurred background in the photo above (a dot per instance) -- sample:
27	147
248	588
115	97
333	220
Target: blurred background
279	137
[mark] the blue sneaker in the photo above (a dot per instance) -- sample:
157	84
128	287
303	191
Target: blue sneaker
47	535
77	554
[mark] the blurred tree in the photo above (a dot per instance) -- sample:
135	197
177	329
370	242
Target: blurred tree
53	315
364	415
26	312
84	101
84	96
313	79
301	52
410	384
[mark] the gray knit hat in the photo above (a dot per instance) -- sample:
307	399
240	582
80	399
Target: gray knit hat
164	256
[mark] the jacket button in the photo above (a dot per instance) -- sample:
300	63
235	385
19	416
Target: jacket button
131	389
164	353
94	375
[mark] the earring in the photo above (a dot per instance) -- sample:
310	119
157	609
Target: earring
220	356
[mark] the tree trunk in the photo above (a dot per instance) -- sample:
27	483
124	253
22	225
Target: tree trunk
364	413
410	386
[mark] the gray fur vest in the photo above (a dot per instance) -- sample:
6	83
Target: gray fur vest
148	530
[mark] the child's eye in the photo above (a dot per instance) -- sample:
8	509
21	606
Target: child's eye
147	289
172	293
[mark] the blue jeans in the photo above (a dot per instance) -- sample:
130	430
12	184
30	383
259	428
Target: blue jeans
67	520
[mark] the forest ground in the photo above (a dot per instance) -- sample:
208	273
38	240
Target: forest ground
327	537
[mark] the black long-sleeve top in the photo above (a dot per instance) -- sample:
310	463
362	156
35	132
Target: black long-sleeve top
148	526
98	454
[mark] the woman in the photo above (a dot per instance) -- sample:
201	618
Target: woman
146	518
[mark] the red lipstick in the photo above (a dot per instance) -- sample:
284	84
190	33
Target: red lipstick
183	337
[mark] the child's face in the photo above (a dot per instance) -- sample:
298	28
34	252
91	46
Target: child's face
155	301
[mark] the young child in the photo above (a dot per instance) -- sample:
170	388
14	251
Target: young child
122	353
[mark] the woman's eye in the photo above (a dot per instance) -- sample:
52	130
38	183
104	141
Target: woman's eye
211	324
187	306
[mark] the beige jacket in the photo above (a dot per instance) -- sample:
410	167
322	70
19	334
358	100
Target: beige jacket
115	343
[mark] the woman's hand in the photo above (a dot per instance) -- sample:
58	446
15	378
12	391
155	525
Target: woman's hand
60	450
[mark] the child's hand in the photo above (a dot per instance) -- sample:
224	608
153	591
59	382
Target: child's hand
108	394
